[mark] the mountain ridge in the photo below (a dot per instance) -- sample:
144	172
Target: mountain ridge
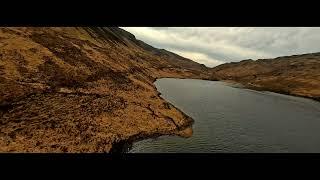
296	75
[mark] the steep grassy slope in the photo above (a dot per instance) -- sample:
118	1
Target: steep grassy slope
84	89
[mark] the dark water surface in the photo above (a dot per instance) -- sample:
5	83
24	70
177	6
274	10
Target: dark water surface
229	119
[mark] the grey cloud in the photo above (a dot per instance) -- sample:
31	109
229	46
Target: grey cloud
225	44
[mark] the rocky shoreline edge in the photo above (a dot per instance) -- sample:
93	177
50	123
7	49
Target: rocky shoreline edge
267	89
124	145
184	131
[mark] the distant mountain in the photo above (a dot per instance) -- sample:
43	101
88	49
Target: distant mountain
295	75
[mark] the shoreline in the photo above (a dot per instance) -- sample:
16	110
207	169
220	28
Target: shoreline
184	131
123	145
252	87
266	89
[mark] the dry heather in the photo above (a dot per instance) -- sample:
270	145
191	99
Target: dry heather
84	89
297	75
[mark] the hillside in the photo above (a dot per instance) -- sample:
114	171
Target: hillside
297	75
85	89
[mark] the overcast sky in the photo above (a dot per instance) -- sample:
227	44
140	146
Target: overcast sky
215	45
